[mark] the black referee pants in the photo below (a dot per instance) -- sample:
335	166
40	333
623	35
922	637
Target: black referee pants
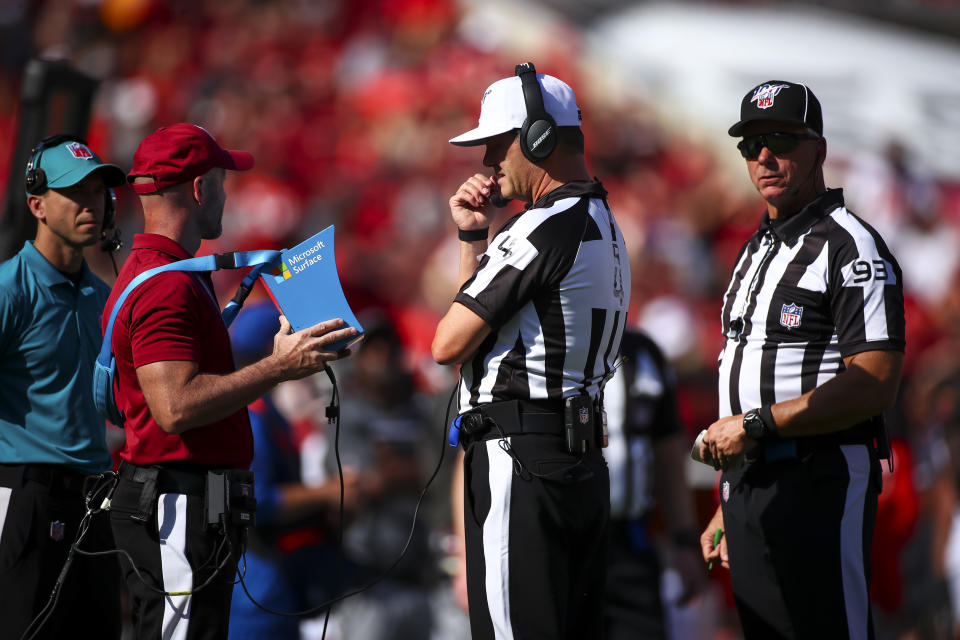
799	533
535	539
39	517
174	551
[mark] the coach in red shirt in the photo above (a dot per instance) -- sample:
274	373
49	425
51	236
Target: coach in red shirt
183	399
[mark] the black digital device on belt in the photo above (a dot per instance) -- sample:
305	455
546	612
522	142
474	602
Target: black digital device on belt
229	498
578	423
241	500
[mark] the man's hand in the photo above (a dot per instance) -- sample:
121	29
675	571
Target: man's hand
301	354
713	552
470	205
726	441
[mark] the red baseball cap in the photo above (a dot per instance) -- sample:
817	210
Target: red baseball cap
178	153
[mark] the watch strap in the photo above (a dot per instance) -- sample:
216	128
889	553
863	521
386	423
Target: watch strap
769	426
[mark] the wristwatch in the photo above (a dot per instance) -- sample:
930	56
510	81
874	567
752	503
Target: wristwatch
755	426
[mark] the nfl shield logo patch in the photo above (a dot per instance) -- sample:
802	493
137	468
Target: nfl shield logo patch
79	151
584	415
725	490
765	95
790	315
57	529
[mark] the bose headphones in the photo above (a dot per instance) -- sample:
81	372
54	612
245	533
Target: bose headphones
36	184
538	137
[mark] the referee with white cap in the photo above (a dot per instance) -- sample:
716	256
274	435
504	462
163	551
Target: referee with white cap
814	336
537	326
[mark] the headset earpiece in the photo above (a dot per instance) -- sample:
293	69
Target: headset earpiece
109	208
36	180
538	137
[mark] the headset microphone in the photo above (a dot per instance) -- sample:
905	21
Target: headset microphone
110	240
498	200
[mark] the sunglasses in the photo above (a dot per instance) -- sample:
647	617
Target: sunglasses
778	143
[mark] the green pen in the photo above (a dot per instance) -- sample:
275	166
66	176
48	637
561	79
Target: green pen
716	540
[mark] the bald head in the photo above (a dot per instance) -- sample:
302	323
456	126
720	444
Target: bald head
187	212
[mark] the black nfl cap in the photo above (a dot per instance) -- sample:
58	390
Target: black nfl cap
780	101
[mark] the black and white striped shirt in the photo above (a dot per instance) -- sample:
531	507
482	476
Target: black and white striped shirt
554	285
806	292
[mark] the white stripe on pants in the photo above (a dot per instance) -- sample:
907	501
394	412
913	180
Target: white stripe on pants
177	574
496	540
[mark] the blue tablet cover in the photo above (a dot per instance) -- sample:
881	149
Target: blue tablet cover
305	286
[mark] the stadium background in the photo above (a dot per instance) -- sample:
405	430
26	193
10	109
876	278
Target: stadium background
347	107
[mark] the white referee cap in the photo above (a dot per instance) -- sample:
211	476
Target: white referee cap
502	108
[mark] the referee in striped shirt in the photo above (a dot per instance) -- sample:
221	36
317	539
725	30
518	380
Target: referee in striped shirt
814	337
537	326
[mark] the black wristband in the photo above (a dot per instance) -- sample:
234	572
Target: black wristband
472	235
766	414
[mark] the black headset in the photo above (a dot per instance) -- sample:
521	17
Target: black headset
538	137
36	184
36	177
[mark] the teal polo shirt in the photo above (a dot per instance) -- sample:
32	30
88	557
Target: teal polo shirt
49	339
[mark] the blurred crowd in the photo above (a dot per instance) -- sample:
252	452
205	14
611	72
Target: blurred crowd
347	108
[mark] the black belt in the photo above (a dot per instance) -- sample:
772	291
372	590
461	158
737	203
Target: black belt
169	479
508	418
55	477
511	418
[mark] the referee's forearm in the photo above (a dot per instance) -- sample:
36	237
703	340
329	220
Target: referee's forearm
470	253
866	388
